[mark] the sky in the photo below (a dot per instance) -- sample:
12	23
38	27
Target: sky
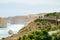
26	7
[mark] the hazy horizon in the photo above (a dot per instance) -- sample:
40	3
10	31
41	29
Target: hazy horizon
26	7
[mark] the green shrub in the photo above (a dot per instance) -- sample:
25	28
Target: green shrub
37	35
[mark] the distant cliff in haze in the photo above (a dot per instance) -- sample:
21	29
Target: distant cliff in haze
22	19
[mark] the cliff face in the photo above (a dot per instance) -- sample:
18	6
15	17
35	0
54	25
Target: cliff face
17	19
22	19
3	23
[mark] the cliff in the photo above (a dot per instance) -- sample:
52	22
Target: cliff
23	19
3	23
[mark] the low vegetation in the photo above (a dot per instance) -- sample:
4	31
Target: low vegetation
40	35
43	26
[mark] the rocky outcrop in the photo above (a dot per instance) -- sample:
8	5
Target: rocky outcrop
10	32
3	23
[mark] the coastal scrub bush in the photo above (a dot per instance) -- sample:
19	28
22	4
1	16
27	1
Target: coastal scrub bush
57	36
37	35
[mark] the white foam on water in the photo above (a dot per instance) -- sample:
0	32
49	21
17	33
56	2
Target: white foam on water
14	27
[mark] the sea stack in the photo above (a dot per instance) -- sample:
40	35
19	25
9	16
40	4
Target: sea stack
10	32
3	23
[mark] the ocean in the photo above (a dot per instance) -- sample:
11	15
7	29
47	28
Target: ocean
14	27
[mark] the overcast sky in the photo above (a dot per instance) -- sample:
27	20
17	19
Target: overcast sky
25	7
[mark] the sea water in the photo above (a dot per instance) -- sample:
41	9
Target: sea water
14	27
